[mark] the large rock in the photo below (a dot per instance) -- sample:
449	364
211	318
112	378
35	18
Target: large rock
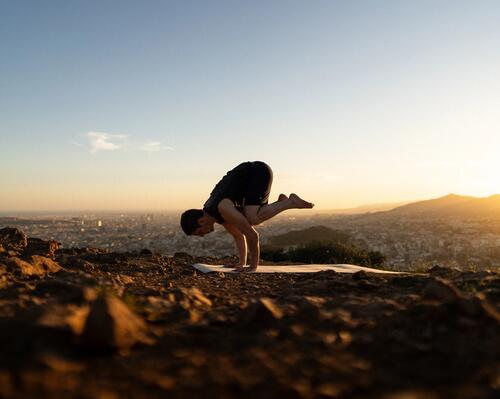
189	303
443	290
189	297
65	291
65	317
112	327
12	240
478	306
44	263
264	313
440	271
36	246
34	266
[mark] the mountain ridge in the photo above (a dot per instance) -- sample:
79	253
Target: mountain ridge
450	205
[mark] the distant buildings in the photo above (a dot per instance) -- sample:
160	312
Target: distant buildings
407	243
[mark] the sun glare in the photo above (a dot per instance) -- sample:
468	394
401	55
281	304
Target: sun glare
483	179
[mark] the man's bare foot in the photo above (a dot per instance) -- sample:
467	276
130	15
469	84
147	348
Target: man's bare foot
299	203
282	197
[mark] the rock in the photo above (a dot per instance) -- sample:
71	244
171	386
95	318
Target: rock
60	364
182	256
157	309
124	279
442	290
189	297
306	308
157	379
37	266
368	285
47	264
478	306
18	266
443	271
112	327
361	275
188	303
146	252
406	281
82	251
262	314
325	275
68	317
65	291
12	240
37	246
74	263
314	300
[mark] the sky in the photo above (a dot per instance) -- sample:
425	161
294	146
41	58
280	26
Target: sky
145	105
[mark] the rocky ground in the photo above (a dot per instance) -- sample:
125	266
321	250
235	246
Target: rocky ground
86	323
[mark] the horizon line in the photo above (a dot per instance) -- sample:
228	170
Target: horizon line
5	213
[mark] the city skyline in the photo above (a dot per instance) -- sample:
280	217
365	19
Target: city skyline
145	106
290	213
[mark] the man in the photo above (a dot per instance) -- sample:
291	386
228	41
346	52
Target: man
238	202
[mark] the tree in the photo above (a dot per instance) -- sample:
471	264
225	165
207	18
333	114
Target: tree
323	252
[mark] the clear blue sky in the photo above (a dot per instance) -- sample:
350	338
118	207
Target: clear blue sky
146	104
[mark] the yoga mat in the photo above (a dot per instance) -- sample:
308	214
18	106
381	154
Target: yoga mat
342	268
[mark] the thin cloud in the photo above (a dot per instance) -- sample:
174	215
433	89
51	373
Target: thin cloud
100	141
154	146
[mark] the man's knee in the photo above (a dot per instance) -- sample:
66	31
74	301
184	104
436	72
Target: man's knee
253	220
253	216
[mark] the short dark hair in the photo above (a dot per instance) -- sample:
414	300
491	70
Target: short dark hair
189	220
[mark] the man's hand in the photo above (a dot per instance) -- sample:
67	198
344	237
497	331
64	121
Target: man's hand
248	269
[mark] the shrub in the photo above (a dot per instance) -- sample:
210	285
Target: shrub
317	251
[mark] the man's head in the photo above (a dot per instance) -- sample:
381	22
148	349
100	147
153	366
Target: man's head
196	222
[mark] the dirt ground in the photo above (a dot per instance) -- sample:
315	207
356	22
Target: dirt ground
86	323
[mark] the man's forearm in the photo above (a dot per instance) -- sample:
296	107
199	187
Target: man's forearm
241	247
253	247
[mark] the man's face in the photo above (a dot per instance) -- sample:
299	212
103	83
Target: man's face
203	229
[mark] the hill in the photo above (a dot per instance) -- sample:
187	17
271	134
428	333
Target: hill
88	323
452	205
369	208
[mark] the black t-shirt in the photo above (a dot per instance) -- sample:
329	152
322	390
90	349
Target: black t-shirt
233	186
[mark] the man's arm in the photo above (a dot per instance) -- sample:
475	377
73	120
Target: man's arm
234	217
239	239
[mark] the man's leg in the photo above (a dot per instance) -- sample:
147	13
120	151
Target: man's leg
256	214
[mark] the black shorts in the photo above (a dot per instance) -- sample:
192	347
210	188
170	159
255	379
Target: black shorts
259	184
